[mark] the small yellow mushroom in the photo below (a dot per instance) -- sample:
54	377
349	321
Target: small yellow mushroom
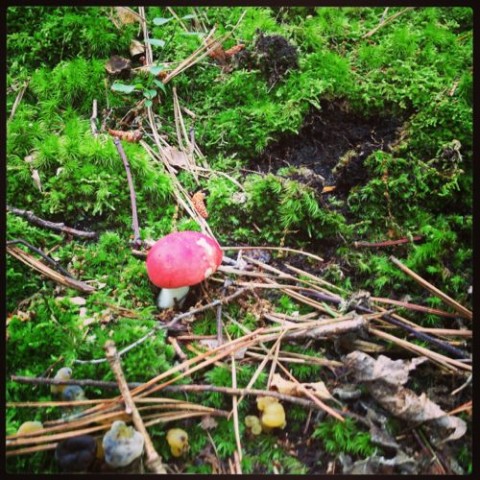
253	423
251	420
262	402
29	427
273	416
63	374
178	441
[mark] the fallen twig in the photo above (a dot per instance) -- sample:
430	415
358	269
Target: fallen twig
59	227
154	462
385	22
93	119
169	325
136	231
18	100
64	280
462	311
388	243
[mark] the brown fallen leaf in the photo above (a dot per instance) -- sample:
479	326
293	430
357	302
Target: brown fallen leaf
176	157
367	369
384	379
288	387
126	15
117	64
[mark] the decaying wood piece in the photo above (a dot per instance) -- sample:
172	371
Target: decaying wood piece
154	462
58	227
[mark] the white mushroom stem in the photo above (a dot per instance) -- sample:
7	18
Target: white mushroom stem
168	296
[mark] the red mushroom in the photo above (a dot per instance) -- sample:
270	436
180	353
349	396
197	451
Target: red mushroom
179	260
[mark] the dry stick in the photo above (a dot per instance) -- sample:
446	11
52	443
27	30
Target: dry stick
412	306
262	365
47	271
58	227
93	119
201	365
136	231
154	462
170	324
180	353
311	396
393	321
388	243
235	408
181	195
280	249
18	100
170	388
314	278
48	259
442	359
385	22
464	312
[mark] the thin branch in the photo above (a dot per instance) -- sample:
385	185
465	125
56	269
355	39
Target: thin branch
69	282
388	243
93	119
386	22
18	100
59	227
154	462
169	325
464	312
121	152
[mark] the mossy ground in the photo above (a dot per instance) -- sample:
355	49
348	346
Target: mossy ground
387	118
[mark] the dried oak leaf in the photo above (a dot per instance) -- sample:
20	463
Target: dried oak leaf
384	379
367	369
117	64
176	157
288	387
136	48
407	405
126	15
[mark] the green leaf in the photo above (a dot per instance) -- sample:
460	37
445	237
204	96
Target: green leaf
149	93
194	34
160	85
156	42
156	69
121	87
189	16
148	103
161	21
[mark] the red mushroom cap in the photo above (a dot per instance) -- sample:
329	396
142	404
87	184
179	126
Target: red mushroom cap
182	259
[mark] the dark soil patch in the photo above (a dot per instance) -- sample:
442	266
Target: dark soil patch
334	143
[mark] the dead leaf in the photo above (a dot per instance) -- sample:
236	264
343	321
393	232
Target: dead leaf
126	15
78	300
36	179
406	404
384	379
117	64
367	369
136	48
288	387
176	157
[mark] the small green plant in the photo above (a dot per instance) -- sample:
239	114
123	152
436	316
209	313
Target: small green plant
344	437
